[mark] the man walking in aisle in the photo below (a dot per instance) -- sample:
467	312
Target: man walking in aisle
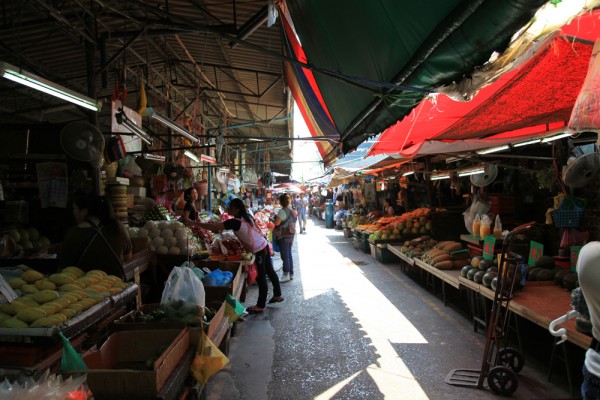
301	207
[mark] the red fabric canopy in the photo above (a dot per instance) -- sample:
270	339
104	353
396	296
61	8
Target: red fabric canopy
533	99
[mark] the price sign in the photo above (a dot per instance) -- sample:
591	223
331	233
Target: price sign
536	251
574	255
488	247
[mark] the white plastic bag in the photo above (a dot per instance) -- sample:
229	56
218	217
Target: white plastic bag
478	206
183	285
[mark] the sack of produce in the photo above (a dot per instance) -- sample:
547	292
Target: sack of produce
183	285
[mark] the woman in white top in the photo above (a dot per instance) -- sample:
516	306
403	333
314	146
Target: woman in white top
388	210
588	271
245	229
287	220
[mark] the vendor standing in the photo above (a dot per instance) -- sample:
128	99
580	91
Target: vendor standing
246	230
190	215
99	240
388	210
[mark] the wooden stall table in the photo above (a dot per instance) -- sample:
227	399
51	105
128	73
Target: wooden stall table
406	263
447	277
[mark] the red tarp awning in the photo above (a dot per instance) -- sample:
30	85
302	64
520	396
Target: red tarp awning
532	99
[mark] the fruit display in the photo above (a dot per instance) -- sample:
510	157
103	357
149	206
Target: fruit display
545	270
226	247
168	237
25	239
446	255
46	301
157	213
176	311
409	224
204	235
417	246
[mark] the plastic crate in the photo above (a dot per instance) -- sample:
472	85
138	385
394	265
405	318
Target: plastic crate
358	243
384	256
366	247
567	218
373	249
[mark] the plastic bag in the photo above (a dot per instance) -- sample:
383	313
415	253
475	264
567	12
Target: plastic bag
478	206
252	274
233	308
183	284
497	227
218	278
71	359
208	360
486	226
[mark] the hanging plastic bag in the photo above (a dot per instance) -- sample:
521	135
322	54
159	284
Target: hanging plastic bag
71	359
183	285
486	226
497	227
208	360
233	308
478	206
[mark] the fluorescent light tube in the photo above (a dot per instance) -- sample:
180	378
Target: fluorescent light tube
171	124
556	137
191	155
33	81
526	143
493	149
153	157
408	173
439	177
123	120
473	171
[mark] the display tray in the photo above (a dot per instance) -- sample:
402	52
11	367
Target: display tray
75	325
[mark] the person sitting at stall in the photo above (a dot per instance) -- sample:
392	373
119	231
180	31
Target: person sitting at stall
245	228
189	215
99	240
388	210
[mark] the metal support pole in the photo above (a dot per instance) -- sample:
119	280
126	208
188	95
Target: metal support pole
209	188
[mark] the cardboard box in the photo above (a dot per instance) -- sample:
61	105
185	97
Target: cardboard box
118	369
137	191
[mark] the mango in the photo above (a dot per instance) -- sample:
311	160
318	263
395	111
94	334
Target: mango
4	316
89	280
44	322
121	285
77	272
97	272
59	317
67	312
29	288
65	301
27	300
76	306
31	275
46	296
54	305
87	302
80	294
16	283
62	278
50	309
13	323
13	308
114	290
45	284
31	314
72	297
69	287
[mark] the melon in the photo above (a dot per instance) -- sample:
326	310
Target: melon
478	277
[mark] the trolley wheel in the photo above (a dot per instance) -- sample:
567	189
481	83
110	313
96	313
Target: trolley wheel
502	380
512	359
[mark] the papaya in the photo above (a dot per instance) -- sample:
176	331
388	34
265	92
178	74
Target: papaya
444	264
31	275
43	322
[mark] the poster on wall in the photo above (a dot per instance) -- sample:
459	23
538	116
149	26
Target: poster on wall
53	184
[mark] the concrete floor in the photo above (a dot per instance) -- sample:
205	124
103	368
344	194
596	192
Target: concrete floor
353	328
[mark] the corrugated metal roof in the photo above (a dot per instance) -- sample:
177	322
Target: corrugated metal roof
181	48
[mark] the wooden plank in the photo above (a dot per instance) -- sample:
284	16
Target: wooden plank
451	277
469	284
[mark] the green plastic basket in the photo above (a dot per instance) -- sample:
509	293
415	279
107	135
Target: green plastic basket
567	218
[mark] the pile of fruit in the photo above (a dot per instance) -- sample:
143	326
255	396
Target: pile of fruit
410	223
446	255
485	272
51	300
157	213
545	270
176	311
168	237
417	246
227	248
203	234
27	239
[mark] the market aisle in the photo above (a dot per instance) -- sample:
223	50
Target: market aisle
352	328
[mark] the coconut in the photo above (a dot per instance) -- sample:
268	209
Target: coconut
171	242
154	233
150	225
166	233
174	250
162	250
163	225
143	233
181	233
158	241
